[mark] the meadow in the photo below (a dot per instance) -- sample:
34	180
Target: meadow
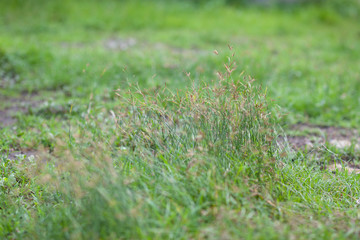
179	120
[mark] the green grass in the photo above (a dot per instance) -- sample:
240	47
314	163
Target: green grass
311	48
136	137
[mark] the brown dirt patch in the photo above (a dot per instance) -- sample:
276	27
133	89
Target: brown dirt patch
315	140
339	167
309	136
15	154
6	118
14	105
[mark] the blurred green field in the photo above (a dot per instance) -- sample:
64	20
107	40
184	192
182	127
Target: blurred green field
308	57
61	63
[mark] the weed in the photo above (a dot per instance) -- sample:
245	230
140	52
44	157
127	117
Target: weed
228	119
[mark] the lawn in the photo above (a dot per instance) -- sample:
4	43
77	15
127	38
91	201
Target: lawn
175	120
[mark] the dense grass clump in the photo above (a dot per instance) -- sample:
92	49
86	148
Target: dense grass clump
178	162
229	119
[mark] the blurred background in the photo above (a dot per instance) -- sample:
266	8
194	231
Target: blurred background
305	52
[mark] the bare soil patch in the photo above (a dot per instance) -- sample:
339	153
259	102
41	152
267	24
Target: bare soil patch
6	118
11	106
15	105
308	136
341	167
316	138
24	152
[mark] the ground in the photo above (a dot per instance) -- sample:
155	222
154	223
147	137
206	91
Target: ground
63	65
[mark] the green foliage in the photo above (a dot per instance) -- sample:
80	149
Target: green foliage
229	119
174	158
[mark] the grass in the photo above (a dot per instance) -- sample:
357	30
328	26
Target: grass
279	50
136	135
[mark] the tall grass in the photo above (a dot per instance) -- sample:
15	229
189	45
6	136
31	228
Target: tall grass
172	165
227	119
201	163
